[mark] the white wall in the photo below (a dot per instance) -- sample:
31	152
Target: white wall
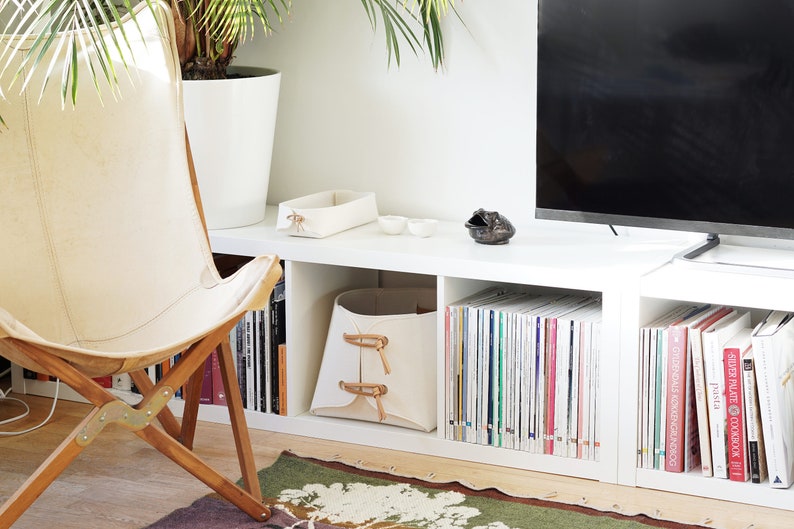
430	144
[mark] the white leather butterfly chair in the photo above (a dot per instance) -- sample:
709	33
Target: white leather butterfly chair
105	265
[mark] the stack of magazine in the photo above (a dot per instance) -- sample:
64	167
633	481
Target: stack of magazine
522	371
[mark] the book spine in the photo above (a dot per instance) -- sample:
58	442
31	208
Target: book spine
495	401
584	390
237	341
459	393
734	428
476	338
756	457
660	412
551	365
701	401
595	410
218	391
250	383
561	388
517	376
456	339
478	354
589	404
512	370
692	458
715	385
643	396
464	373
573	391
504	381
651	459
206	385
264	361
578	391
764	352
483	380
676	399
527	402
278	336
270	353
448	385
282	379
536	419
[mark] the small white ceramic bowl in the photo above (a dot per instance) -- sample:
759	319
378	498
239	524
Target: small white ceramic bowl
422	227
392	224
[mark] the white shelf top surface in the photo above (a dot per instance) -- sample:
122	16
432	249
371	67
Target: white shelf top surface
541	254
727	285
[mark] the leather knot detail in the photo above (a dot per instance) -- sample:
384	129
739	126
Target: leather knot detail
298	219
376	391
374	341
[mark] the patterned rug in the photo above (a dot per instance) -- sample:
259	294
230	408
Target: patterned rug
313	494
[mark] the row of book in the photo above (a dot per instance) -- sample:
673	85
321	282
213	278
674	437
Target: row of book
258	343
522	372
716	394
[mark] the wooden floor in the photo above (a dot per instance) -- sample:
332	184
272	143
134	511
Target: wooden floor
119	482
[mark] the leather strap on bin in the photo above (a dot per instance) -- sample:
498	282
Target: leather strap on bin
376	341
298	219
368	390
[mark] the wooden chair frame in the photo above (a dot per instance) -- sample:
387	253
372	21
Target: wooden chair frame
171	438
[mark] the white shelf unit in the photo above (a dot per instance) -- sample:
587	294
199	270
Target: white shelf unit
679	283
633	274
541	259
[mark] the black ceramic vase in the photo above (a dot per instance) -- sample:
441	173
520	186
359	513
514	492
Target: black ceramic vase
489	227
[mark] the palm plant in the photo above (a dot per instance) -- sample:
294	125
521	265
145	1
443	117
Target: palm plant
208	33
212	29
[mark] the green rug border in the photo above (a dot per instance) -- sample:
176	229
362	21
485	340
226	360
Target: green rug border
490	493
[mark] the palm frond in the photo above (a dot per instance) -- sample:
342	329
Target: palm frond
234	21
217	25
426	13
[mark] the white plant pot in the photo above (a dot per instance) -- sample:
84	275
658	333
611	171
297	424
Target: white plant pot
231	124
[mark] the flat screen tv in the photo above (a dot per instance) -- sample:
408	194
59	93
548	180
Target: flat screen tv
673	114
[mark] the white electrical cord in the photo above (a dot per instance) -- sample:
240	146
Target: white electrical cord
4	396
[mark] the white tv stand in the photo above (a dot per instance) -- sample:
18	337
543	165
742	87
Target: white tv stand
633	275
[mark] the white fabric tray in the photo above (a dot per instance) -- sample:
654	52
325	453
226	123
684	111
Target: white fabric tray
326	213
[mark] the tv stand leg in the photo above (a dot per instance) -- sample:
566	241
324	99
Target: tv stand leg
712	240
742	259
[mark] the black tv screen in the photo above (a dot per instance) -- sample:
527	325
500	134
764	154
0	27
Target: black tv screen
675	114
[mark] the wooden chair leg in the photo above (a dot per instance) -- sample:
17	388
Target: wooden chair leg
185	458
234	402
50	469
192	399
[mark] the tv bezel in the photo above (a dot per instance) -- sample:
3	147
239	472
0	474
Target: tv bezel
705	227
710	227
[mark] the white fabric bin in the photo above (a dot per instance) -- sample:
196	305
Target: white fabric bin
379	362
